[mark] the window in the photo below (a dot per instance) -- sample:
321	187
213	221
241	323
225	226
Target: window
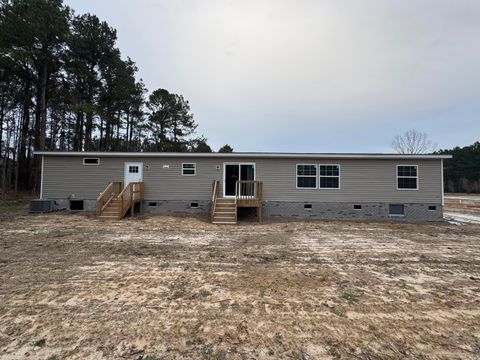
432	208
307	176
357	207
407	177
152	204
194	205
91	161
133	169
396	210
329	176
189	169
307	206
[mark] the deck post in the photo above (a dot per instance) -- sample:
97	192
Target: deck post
132	200
142	190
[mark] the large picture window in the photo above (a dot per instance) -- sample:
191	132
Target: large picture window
329	176
307	176
407	177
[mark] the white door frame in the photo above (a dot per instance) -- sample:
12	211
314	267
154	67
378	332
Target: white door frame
239	174
126	174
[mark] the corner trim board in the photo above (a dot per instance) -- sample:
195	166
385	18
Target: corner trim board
41	178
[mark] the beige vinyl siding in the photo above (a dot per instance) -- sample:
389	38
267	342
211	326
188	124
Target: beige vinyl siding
361	180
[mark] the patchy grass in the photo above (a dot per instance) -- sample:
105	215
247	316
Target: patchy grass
350	298
13	205
339	313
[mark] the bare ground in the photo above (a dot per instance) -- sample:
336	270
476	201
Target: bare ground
73	287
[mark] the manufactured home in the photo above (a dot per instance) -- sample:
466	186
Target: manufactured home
324	186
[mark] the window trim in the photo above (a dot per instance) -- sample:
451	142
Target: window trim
97	158
409	177
194	169
314	176
339	177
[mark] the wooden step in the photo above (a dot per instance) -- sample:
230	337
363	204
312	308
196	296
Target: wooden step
109	217
224	212
113	207
107	212
225	218
231	210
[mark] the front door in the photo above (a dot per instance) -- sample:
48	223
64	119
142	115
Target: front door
233	173
133	172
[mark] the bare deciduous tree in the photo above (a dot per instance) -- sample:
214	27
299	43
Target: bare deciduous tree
413	142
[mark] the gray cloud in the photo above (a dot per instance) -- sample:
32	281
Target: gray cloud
309	75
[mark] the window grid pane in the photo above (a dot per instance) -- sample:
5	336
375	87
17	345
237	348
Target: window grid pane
306	170
307	182
329	182
407	171
407	183
407	177
307	176
189	169
329	176
329	170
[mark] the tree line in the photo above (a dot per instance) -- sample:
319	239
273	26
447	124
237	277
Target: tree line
65	86
462	172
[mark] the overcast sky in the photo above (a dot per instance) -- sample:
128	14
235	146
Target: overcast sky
309	75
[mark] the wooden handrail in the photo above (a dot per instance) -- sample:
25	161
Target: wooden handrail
215	189
249	190
110	192
131	194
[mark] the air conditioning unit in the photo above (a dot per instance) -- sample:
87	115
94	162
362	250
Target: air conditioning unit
41	206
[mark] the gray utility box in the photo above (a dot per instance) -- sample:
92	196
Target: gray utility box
41	206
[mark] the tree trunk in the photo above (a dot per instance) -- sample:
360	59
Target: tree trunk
40	124
78	136
88	131
23	167
41	115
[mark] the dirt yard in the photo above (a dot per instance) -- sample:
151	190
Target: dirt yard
73	287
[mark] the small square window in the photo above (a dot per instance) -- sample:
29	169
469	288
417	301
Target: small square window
432	208
357	207
152	204
189	169
194	205
307	206
91	161
133	169
396	210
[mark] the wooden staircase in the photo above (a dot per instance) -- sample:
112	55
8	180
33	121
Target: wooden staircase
112	210
225	212
114	203
248	193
